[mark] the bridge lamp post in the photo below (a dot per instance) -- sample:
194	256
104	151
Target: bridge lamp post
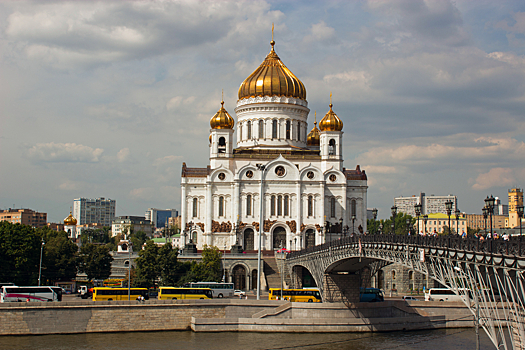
485	211
353	224
448	207
457	212
381	228
417	209
489	201
519	209
340	227
394	215
408	226
374	213
425	219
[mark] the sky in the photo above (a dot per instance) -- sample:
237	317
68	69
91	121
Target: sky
107	99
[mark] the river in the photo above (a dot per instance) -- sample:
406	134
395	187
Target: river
445	339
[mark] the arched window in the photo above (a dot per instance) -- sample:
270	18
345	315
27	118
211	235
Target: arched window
332	207
194	214
272	206
288	127
279	205
222	145
310	205
331	147
286	206
240	132
221	206
261	129
274	129
249	132
298	131
353	209
393	274
249	204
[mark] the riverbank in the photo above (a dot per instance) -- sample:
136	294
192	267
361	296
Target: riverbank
227	315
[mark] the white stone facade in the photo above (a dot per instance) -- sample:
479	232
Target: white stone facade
302	185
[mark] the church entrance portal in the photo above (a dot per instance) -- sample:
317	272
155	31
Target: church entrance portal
309	240
248	239
239	277
279	238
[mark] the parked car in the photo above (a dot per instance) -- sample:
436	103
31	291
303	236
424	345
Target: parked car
409	298
238	293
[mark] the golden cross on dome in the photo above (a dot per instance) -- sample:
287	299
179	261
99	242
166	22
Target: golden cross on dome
222	100
330	99
315	120
272	42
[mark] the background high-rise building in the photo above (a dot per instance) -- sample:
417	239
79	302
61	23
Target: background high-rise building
159	217
515	199
99	210
24	217
429	204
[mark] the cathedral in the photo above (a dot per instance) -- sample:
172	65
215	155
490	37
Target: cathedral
276	179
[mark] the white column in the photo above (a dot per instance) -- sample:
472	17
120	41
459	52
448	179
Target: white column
299	206
183	209
321	216
208	214
235	201
345	206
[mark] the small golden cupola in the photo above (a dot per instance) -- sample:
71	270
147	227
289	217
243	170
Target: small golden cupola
313	138
331	121
70	220
272	78
222	119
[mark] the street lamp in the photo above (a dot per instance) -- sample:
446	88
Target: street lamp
457	212
40	269
485	211
417	209
408	226
381	228
341	227
328	228
353	224
374	212
425	219
448	206
394	214
519	209
489	201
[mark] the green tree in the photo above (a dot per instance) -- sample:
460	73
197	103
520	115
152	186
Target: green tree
59	261
98	235
209	269
147	267
95	261
169	267
401	224
19	254
138	239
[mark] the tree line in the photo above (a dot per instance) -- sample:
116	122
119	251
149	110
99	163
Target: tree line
21	247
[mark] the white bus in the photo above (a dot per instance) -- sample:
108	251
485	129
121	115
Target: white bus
45	293
220	290
444	294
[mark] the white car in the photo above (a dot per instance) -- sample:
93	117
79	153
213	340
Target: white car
238	293
409	298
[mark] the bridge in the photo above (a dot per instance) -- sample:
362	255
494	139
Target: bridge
493	270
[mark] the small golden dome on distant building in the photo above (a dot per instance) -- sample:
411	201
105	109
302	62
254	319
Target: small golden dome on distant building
222	119
331	121
70	220
313	138
210	138
272	78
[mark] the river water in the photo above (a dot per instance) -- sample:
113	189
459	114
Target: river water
446	339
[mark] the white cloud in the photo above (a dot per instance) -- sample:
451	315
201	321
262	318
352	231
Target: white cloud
64	152
123	155
322	33
496	177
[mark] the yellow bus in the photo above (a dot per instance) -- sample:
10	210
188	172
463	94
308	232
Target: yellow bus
107	293
172	293
296	295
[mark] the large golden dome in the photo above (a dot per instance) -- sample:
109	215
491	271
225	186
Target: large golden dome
70	220
222	119
272	78
331	121
314	138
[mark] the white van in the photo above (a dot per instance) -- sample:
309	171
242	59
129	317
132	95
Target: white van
445	294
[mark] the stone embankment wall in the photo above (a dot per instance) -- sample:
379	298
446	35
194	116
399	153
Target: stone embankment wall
226	315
